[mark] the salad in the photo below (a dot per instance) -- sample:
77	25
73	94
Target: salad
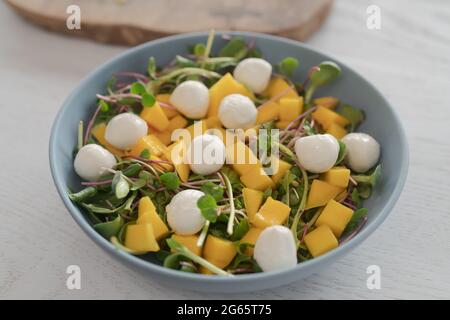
222	164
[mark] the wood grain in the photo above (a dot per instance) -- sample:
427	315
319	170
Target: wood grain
408	60
131	22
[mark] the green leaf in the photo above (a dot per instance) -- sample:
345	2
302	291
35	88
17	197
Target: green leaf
104	106
137	184
288	65
111	83
120	185
328	71
138	88
356	198
151	67
170	180
240	230
342	149
132	170
354	115
208	207
354	222
240	259
232	176
199	49
236	48
173	260
148	100
370	179
110	228
185	62
145	154
215	190
83	195
364	190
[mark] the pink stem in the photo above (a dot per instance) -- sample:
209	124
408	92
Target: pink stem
278	96
91	124
166	105
95	183
295	120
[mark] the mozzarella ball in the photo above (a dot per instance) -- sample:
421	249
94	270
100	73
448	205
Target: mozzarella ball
237	112
206	154
254	73
275	249
183	215
92	161
317	153
124	130
191	98
362	151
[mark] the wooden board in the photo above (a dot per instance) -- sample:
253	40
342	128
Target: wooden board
131	22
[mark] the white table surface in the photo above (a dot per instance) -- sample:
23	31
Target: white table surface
408	59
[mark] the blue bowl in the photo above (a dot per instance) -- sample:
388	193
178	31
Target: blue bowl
382	123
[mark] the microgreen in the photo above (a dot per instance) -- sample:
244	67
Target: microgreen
80	135
185	62
181	249
151	67
208	207
148	100
83	195
342	151
104	106
240	230
236	48
170	180
138	88
199	49
355	197
354	115
355	220
120	185
287	66
110	228
326	73
232	209
213	189
145	154
370	179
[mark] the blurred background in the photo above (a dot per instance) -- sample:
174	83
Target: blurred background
402	47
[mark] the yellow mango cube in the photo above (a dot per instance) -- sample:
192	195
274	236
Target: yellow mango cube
290	108
272	212
267	112
147	214
225	86
326	117
283	124
219	252
257	179
150	142
140	237
338	176
177	122
276	86
251	237
320	193
189	242
252	201
175	153
155	117
336	216
196	129
336	131
281	168
240	157
167	108
164	136
320	241
327	102
99	133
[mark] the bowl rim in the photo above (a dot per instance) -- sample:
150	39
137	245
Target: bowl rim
177	275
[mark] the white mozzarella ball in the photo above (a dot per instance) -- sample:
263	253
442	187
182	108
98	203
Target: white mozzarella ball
92	161
206	154
254	73
275	249
183	215
124	130
317	153
191	98
237	112
362	151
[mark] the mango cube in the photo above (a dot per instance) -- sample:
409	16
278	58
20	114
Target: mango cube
189	242
150	142
327	102
196	129
320	193
277	85
147	214
326	117
337	176
218	251
177	122
290	108
320	241
336	216
140	237
155	117
241	157
175	153
281	168
273	212
252	201
283	124
267	112
164	100
225	86
99	133
336	131
164	136
257	179
251	237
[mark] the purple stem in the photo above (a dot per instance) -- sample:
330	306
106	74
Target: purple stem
95	183
355	232
91	124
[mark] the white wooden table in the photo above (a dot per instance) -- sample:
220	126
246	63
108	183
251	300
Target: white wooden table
408	59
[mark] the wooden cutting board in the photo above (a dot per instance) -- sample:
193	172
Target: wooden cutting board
131	22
